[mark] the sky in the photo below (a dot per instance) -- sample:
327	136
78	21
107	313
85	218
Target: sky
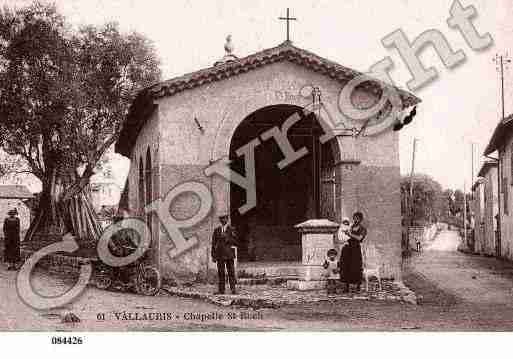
461	107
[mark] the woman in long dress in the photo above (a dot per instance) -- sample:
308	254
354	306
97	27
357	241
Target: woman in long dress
351	257
12	239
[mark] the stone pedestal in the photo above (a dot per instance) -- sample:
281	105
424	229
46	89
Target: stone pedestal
317	237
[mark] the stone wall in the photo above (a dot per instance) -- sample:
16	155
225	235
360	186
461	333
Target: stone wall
485	208
372	185
64	265
491	210
148	140
479	236
195	261
505	194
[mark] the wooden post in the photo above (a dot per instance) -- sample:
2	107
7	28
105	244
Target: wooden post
502	87
411	175
464	212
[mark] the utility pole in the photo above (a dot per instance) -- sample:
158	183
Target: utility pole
472	175
464	212
411	180
501	61
502	87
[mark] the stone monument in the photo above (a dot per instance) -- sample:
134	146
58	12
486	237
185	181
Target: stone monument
317	237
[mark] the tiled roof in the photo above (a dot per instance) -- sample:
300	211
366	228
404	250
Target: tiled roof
142	105
15	191
499	135
283	52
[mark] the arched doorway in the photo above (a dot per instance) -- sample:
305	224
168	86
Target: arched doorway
285	197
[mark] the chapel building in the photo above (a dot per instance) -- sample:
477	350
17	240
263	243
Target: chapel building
179	127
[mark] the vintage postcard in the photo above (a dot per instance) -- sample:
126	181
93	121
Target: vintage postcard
255	166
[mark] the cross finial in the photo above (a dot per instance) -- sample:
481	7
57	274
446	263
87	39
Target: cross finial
288	19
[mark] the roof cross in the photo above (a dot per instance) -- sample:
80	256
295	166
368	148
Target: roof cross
288	19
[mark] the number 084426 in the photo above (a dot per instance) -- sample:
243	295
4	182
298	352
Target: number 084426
67	340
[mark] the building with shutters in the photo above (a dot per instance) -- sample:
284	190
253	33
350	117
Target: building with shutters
501	146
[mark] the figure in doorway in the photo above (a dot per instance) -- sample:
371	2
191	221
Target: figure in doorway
223	239
351	258
12	239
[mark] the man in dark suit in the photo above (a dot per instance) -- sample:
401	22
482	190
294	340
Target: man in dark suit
223	254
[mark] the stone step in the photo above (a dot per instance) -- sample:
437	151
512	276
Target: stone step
262	281
260	270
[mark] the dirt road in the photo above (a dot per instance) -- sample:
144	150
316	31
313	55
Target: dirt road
456	292
474	280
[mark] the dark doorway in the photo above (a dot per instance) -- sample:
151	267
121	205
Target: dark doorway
285	197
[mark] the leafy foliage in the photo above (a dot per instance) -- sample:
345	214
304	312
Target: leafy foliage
431	202
428	198
64	93
458	201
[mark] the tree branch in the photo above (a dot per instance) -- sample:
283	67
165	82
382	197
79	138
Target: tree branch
36	170
80	184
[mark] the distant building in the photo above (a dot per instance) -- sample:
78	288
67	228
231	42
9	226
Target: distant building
502	142
485	208
15	196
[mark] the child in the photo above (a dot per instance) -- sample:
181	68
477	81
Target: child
342	236
331	266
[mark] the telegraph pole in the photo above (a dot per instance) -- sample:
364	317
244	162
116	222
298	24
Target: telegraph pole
502	87
411	180
472	176
501	61
464	212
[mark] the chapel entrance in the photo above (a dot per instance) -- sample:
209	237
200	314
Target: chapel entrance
303	190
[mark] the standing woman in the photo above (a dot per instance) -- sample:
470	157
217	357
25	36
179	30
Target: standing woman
12	239
351	258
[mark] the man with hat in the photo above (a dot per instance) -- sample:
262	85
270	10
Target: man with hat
223	238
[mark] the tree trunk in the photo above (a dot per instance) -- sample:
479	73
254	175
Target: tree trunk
59	213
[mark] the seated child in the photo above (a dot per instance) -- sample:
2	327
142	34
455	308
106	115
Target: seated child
331	266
